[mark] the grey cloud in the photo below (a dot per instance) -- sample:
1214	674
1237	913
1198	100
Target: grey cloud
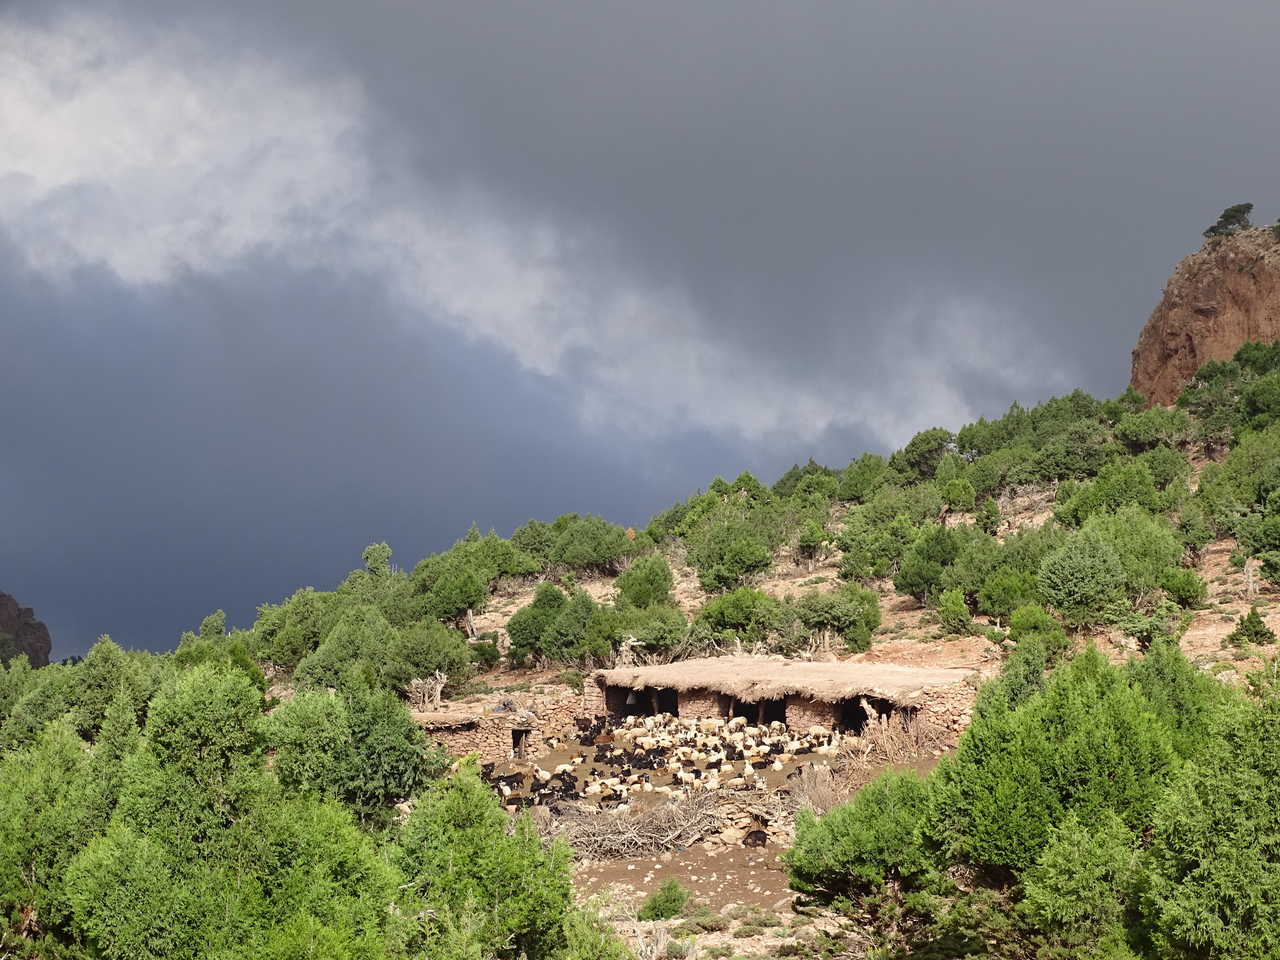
224	440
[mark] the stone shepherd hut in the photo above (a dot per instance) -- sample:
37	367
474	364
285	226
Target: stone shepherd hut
505	727
800	693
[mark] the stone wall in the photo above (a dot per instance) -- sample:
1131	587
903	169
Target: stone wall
949	708
701	704
593	699
489	737
557	718
488	731
803	713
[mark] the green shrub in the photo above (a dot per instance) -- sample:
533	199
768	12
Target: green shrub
420	650
1193	526
362	637
860	845
1005	591
728	557
1145	544
657	628
536	539
744	613
919	459
953	613
1079	451
484	652
812	541
360	747
1022	677
1032	620
1184	587
921	572
1079	888
646	582
1251	629
666	902
1260	402
988	518
1152	427
528	625
959	494
1210	879
850	613
568	639
1082	579
293	629
1089	742
592	544
457	590
589	938
862	478
1232	220
460	852
1123	481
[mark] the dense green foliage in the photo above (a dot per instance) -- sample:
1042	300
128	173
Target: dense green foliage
1048	801
143	821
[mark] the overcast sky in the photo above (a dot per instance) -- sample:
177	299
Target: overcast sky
279	280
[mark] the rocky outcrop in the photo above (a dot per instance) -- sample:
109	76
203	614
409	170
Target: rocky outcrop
1218	298
21	632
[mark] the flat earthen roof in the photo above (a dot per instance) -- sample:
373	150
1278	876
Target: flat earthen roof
442	719
752	679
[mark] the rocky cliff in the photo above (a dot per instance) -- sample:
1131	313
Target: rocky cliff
21	632
1218	298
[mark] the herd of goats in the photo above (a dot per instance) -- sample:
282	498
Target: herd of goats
663	755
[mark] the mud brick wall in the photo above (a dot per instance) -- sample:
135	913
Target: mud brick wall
803	713
700	704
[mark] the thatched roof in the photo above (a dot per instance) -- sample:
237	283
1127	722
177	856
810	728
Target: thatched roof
770	678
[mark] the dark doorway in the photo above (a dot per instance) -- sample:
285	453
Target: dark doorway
743	709
853	717
639	703
770	711
519	744
666	701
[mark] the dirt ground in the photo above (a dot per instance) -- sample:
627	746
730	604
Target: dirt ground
720	877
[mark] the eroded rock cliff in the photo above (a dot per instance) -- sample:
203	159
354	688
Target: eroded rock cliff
1225	294
21	632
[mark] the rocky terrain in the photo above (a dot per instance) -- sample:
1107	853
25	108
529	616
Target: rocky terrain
21	632
1225	294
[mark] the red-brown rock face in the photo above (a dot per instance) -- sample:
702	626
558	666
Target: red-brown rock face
1225	294
20	630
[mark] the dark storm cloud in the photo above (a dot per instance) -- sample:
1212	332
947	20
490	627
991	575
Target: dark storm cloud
799	168
868	218
224	441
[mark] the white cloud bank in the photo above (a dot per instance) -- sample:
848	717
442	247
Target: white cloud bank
156	154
